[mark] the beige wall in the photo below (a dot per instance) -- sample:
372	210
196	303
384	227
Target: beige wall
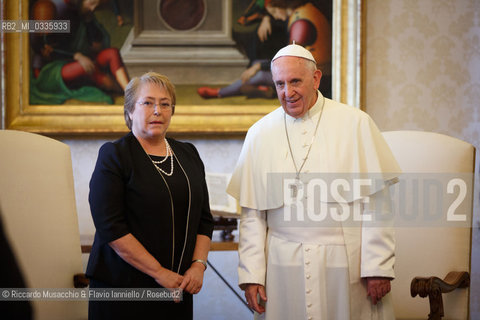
422	64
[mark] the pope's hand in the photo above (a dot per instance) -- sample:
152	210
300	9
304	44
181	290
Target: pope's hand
377	288
252	291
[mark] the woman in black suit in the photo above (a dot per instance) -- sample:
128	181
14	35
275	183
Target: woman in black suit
149	203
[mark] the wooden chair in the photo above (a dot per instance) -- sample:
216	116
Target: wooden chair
432	260
37	202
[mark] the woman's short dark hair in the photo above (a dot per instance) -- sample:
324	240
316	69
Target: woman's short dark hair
131	92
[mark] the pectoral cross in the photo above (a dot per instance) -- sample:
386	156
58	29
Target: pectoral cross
295	187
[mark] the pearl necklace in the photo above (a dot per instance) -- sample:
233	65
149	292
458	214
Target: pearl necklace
169	153
160	171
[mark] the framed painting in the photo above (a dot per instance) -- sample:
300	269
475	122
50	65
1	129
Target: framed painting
144	46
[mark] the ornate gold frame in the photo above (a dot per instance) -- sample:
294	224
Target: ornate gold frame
192	119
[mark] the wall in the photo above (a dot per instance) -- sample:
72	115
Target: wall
423	66
423	73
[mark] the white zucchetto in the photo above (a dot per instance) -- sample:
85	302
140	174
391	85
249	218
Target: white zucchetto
294	50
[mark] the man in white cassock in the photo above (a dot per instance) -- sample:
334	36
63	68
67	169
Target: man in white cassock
312	180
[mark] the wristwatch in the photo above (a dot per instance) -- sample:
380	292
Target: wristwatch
202	262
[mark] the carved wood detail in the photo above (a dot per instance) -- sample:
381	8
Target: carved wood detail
434	287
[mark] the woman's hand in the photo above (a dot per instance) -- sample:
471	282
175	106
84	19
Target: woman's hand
135	254
169	279
193	278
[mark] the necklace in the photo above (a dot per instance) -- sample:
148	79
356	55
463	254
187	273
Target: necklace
172	206
169	153
295	187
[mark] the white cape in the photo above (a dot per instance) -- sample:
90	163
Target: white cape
348	136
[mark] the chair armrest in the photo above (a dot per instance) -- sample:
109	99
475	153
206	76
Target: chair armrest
433	287
80	280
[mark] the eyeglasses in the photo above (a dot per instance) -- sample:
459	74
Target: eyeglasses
161	105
